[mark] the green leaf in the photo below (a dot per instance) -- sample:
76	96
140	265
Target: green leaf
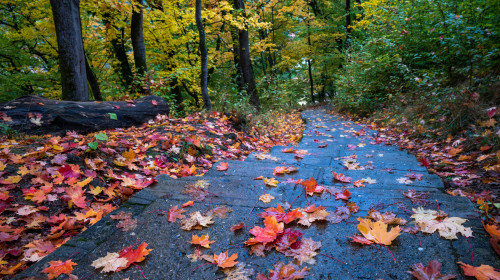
113	116
101	136
93	145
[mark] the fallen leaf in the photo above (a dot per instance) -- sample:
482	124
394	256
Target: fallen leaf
272	182
110	263
430	272
196	221
57	268
187	204
222	260
377	231
430	221
175	213
483	272
203	240
266	198
237	227
341	178
285	272
223	166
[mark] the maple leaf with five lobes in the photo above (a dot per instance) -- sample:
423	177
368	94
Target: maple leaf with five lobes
110	263
271	182
134	255
224	261
377	231
430	272
57	268
203	240
196	221
175	213
306	251
483	272
266	198
430	221
267	234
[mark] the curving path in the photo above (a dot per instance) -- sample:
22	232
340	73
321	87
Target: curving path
237	189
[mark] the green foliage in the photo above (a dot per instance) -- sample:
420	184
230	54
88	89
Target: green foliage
101	137
93	145
441	58
6	130
113	116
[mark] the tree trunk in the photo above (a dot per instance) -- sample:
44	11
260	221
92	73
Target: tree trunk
118	44
204	58
94	84
66	15
311	82
347	22
238	77
137	37
309	62
245	62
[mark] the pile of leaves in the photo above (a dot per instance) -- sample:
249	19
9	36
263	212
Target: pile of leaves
52	188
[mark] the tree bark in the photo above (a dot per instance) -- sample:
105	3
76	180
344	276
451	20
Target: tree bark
238	77
94	84
347	22
309	62
204	58
137	37
245	62
66	15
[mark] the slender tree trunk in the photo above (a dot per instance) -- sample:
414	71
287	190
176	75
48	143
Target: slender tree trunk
118	44
238	77
311	82
94	84
204	58
66	15
347	22
217	49
245	61
137	37
309	62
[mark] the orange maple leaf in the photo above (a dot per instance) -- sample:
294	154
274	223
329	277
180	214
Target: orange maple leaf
377	231
268	233
483	272
57	268
222	260
201	240
223	166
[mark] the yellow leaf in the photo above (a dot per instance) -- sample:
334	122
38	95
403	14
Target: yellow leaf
377	231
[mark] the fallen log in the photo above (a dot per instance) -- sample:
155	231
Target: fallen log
35	115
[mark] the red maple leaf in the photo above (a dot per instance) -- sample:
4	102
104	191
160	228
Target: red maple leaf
70	171
343	195
134	255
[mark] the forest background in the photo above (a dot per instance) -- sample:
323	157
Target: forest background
432	63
